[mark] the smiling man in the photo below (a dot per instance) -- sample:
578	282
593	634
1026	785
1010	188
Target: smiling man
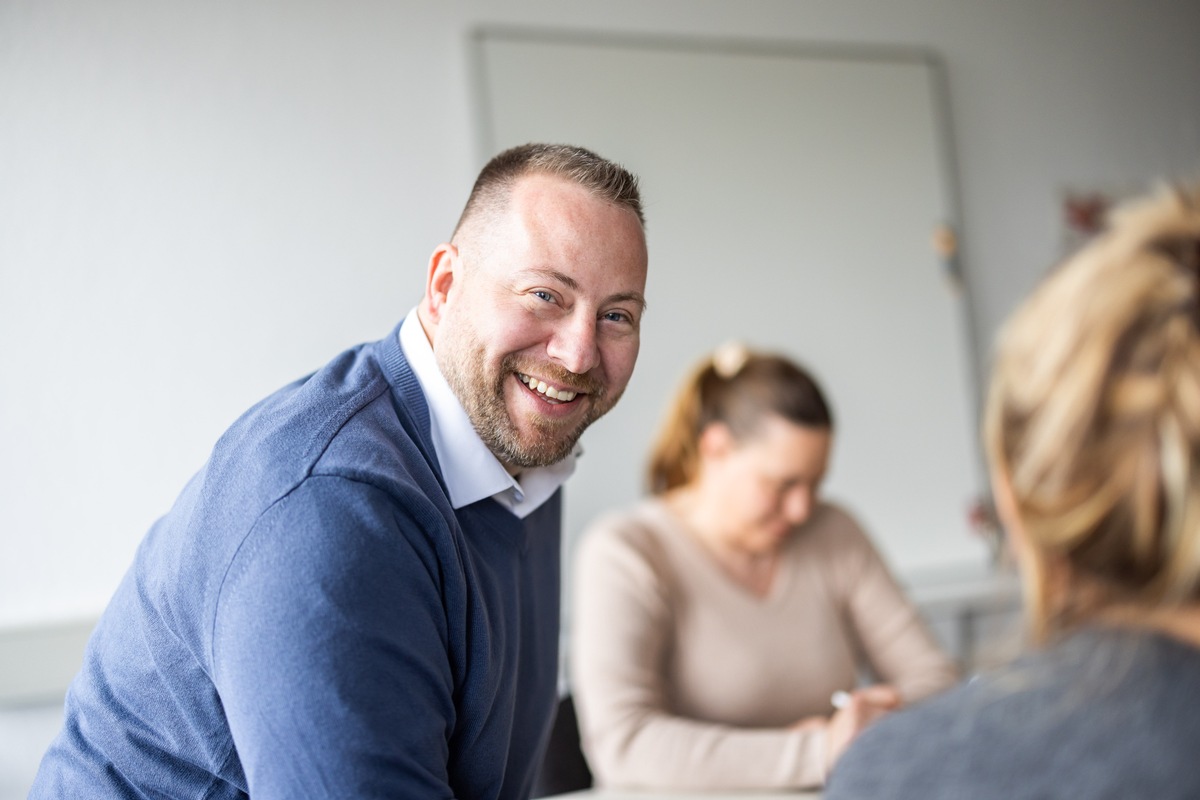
534	310
357	596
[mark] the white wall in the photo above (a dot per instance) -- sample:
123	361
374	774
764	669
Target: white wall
150	153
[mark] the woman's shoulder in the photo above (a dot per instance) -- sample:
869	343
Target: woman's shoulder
641	521
640	529
897	755
834	528
835	516
630	550
989	737
943	746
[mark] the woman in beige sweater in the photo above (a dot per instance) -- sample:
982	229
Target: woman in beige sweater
714	621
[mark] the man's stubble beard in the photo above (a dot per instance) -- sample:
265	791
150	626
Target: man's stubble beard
462	361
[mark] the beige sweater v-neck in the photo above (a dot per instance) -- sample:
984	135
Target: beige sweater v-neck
684	679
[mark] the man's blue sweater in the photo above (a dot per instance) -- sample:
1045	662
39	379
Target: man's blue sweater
313	619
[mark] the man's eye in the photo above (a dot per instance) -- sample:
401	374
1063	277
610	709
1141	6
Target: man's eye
542	294
617	316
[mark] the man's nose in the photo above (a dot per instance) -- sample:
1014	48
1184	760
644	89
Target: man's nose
574	344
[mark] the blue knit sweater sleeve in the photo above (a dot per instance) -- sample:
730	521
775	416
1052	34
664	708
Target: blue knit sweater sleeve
330	648
312	618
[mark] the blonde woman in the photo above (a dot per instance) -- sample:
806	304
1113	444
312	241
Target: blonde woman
714	621
1093	434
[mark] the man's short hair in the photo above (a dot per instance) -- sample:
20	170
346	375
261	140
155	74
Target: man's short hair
603	178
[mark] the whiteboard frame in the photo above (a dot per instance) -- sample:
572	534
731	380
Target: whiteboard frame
486	139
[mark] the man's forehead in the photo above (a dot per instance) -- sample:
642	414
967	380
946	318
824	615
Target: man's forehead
536	191
553	224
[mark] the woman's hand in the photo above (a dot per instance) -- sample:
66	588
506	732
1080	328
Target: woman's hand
862	707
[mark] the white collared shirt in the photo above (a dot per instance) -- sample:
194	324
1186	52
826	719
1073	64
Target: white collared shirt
471	471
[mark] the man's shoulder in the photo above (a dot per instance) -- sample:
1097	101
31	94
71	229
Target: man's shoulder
347	417
301	418
344	422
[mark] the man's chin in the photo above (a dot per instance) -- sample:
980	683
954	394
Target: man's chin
537	447
542	440
529	455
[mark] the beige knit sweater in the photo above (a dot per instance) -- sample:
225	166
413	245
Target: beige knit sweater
683	679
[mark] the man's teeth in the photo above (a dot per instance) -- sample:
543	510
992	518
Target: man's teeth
562	395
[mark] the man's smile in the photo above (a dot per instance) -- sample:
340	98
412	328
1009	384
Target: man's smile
550	392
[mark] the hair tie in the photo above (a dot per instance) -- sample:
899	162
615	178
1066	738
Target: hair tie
729	358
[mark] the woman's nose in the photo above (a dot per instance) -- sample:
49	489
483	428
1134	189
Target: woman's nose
798	504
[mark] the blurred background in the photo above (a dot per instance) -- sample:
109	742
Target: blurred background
201	202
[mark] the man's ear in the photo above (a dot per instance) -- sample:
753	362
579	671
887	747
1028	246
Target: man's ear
443	266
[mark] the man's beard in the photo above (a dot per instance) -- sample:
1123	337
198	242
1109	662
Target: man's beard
482	396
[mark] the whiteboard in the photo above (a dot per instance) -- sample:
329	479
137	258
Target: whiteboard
791	195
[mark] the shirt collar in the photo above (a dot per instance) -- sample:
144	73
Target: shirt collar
470	470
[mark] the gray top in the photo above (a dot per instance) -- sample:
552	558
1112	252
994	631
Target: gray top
1103	714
